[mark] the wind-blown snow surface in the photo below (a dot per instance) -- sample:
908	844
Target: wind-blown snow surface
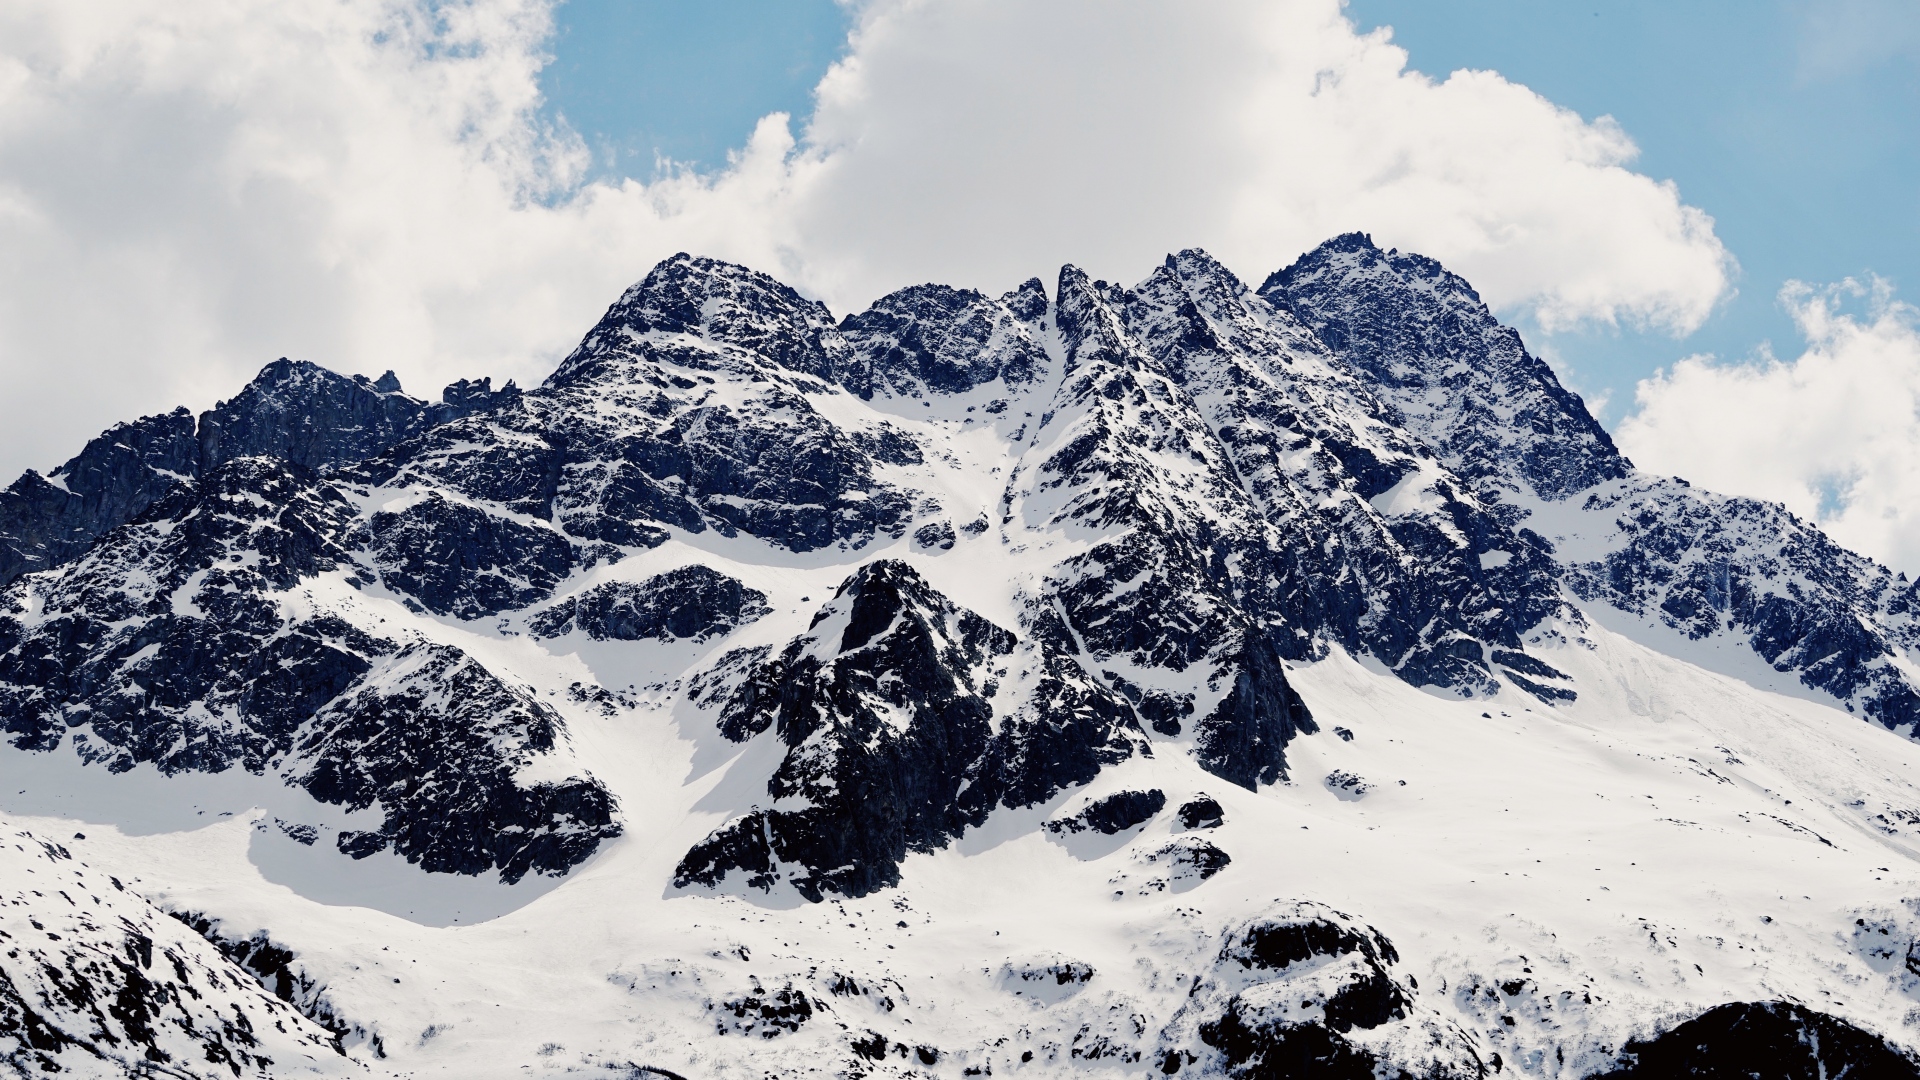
889	654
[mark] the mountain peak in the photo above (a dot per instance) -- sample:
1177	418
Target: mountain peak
717	301
301	412
1029	301
1199	264
930	339
1460	380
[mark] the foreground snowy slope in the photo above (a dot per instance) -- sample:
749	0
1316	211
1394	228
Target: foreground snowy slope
99	981
1176	678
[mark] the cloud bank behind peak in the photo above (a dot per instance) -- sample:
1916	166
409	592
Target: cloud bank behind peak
188	191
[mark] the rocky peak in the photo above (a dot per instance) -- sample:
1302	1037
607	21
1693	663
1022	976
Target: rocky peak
934	339
1090	327
1193	305
45	521
303	413
468	396
1028	302
294	411
720	302
888	597
1458	379
905	720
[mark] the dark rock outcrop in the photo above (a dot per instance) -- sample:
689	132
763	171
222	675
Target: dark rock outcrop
1286	996
898	738
457	559
172	642
765	1015
1113	814
693	602
1244	739
302	413
1202	812
292	410
1187	861
45	521
1712	566
1778	1040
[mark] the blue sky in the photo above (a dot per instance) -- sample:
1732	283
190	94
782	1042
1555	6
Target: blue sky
642	79
1791	123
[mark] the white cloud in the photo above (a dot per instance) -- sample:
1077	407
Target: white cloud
190	190
988	139
1834	433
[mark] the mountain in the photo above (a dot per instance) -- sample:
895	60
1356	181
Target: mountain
297	412
1182	677
99	982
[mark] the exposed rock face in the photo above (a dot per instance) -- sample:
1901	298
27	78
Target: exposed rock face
1123	458
1202	812
1745	1039
1448	376
931	339
101	983
1716	567
1366	538
1214	438
906	720
1308	991
440	743
686	408
458	559
693	602
739	311
183	641
1455	378
293	410
44	521
1115	813
164	607
303	413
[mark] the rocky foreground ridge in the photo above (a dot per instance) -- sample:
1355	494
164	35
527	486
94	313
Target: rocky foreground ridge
1197	485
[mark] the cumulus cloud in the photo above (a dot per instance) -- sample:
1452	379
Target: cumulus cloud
1833	433
984	139
190	190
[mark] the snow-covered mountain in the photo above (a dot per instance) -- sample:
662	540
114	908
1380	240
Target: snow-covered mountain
1183	678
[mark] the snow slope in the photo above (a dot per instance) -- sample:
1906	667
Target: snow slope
1590	871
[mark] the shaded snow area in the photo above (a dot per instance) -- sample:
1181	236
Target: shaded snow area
1175	680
